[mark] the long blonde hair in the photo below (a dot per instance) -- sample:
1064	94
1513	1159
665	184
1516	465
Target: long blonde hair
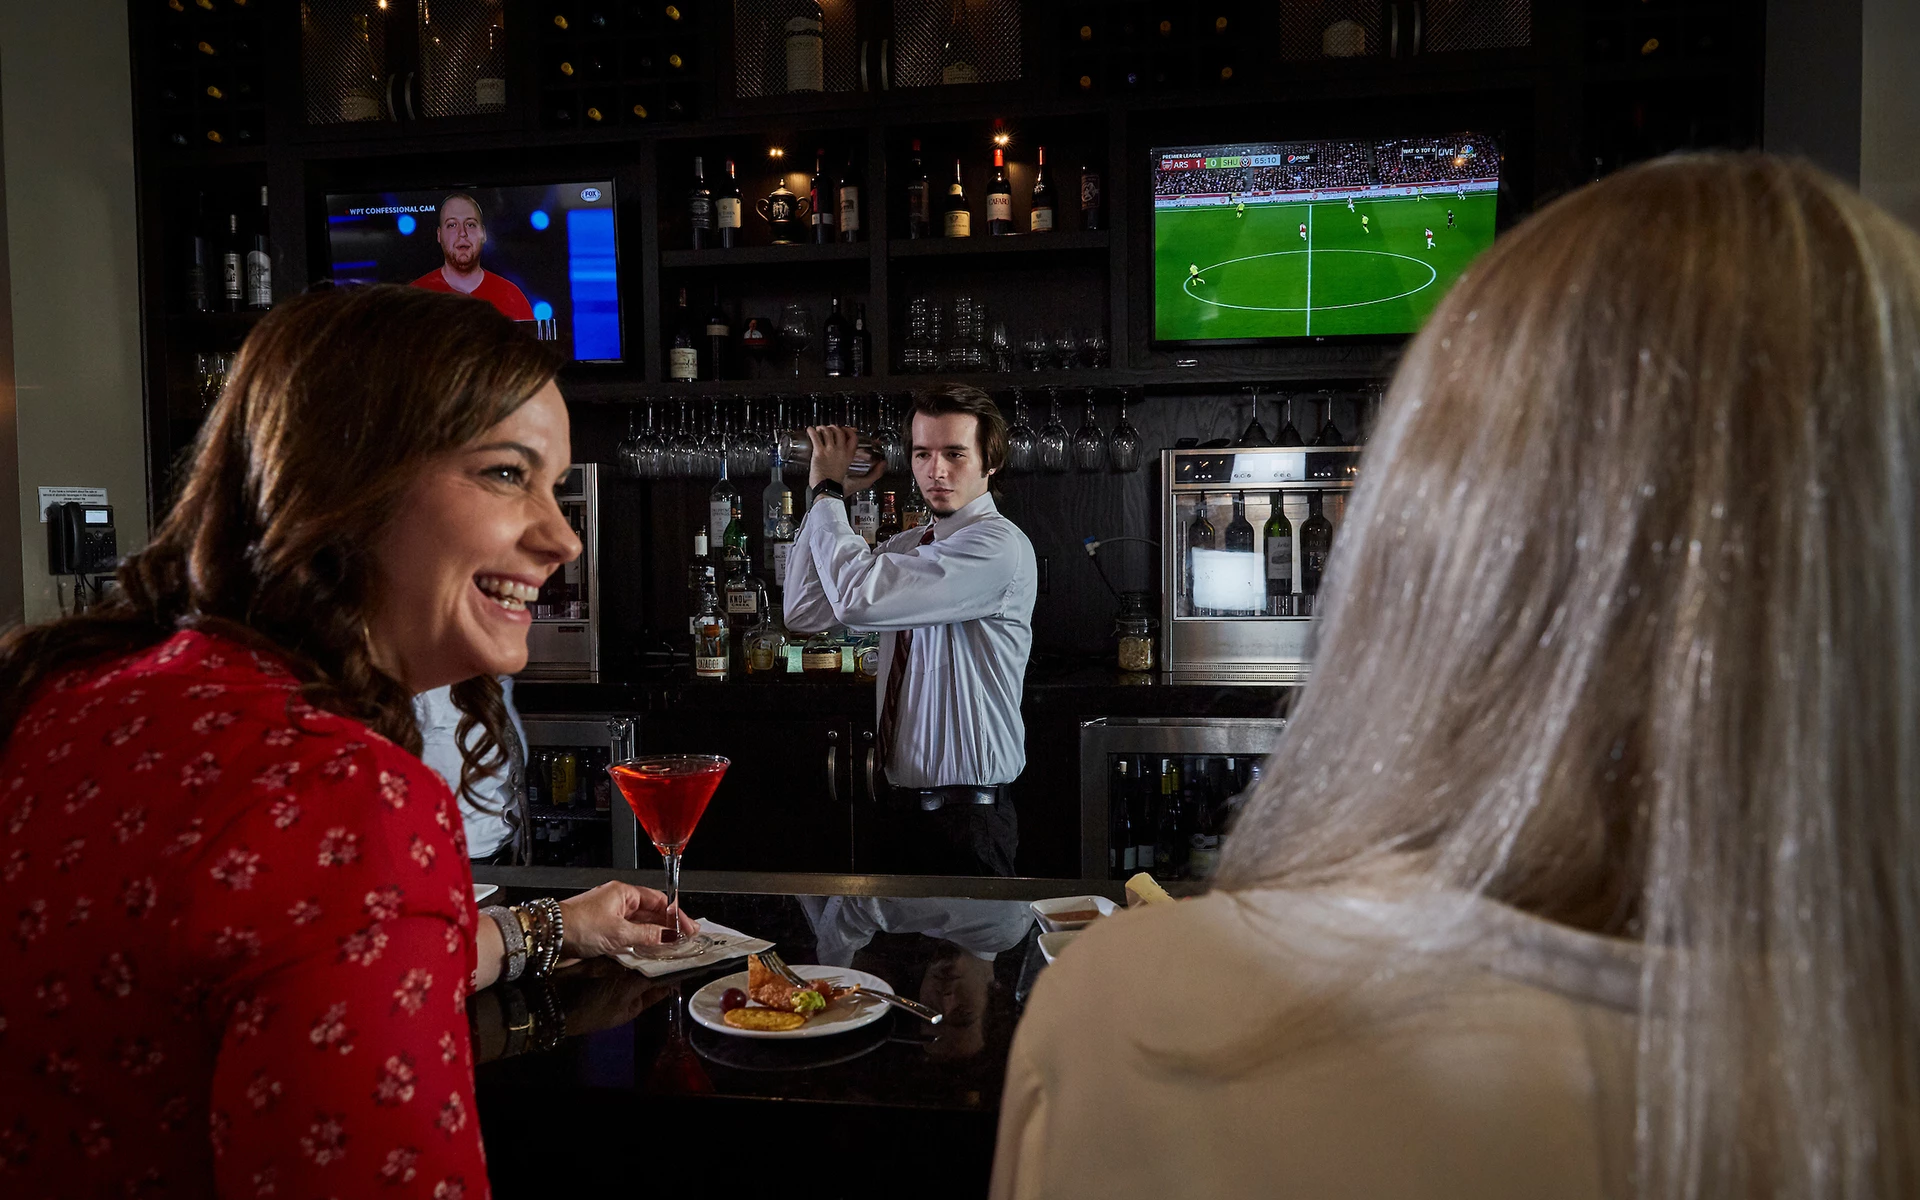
1623	633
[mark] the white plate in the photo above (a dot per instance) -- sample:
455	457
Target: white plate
482	890
1051	944
1044	909
850	1013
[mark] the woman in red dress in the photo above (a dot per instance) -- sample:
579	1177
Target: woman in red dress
242	917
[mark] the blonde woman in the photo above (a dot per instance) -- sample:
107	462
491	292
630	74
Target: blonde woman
1589	864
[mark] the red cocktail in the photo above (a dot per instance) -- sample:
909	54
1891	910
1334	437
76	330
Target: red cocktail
668	793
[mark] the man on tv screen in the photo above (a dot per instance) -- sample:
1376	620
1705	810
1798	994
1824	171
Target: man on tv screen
462	233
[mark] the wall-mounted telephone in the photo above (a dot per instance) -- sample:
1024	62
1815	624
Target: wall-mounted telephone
80	539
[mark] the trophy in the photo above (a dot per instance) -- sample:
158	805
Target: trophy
784	212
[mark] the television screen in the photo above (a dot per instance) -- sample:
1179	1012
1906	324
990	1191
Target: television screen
542	254
1254	241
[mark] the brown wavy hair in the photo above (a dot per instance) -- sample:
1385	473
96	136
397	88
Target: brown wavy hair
335	403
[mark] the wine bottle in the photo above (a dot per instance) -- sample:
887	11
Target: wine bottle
721	502
1092	202
232	266
806	49
956	52
1239	535
860	347
833	341
999	197
726	208
719	333
919	197
1200	536
199	258
1316	543
1040	212
683	354
260	260
957	221
700	206
820	200
1279	539
847	199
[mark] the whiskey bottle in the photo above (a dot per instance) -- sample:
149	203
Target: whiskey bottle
712	642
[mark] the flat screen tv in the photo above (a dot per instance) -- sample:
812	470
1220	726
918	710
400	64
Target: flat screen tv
1257	241
540	253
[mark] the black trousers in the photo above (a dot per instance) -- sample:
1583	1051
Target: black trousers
958	839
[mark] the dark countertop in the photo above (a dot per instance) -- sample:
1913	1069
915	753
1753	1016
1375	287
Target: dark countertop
635	1074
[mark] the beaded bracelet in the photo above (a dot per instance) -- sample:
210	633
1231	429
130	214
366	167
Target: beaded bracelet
549	932
512	938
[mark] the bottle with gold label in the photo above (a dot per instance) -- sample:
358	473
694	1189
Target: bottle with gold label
821	654
712	645
767	646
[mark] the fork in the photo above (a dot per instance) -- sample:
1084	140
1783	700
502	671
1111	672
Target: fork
773	962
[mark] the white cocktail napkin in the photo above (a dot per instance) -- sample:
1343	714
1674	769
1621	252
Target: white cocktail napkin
727	944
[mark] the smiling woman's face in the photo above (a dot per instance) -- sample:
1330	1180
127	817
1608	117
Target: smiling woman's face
475	536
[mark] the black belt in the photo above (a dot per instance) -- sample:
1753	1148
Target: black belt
934	799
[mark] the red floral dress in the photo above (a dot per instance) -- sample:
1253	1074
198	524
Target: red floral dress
242	931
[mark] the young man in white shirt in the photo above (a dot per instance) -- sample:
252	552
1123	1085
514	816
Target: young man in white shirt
954	603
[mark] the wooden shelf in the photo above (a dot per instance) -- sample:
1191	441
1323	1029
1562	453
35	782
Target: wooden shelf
764	256
1088	241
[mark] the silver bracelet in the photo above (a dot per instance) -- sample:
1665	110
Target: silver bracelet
549	933
512	938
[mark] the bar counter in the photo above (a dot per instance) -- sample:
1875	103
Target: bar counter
635	1095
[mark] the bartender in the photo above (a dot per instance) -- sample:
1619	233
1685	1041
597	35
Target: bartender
953	602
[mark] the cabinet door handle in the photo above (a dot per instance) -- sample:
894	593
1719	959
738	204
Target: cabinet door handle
1419	26
864	46
1393	30
873	794
833	766
886	66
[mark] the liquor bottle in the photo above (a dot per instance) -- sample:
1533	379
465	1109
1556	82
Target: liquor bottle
847	199
834	336
806	49
700	582
1200	535
957	221
1316	543
1123	853
916	511
776	518
733	544
726	208
200	263
683	353
260	260
1169	840
1092	200
700	206
1239	536
232	267
1279	536
746	594
864	514
719	335
1040	212
860	345
919	197
712	643
720	502
889	519
766	647
999	197
820	200
956	50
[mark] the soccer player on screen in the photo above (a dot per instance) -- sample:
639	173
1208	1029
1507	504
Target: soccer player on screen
461	231
1303	232
1349	203
1363	225
1449	218
1429	232
1239	208
1193	274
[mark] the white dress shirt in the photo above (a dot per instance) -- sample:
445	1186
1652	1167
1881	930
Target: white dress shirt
968	597
487	828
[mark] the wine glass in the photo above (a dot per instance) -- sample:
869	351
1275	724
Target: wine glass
1053	436
1329	434
1002	348
668	793
796	329
1089	441
1124	446
1066	348
1036	348
1289	435
627	457
682	447
742	460
652	447
1020	440
1094	347
886	436
713	446
1255	434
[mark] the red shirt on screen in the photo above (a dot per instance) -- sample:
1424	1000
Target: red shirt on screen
496	290
242	929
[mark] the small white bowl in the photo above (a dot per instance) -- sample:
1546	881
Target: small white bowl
1051	944
1044	910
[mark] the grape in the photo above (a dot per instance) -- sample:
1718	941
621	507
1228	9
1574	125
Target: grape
731	999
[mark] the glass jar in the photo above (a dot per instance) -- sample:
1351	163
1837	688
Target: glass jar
1134	629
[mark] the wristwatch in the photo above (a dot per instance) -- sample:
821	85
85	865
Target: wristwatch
829	487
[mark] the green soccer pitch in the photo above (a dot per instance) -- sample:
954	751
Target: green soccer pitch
1259	279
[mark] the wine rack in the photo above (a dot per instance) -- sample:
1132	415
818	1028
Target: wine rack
208	79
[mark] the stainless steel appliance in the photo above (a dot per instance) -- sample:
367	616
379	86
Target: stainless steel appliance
564	642
1126	766
574	815
1218	619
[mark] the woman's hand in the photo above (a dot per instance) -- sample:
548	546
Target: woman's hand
614	917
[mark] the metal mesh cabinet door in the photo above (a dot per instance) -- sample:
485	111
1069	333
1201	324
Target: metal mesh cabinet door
765	65
1452	26
1331	29
463	57
955	41
343	60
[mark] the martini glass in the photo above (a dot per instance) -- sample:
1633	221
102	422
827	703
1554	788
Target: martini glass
668	793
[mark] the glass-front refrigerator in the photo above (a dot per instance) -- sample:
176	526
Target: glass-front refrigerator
1244	538
564	641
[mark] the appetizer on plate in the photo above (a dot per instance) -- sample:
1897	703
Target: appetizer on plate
783	1007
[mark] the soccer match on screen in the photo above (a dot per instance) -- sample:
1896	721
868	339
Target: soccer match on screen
1316	238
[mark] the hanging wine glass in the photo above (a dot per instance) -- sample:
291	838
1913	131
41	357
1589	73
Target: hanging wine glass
1053	436
1020	438
1329	434
682	447
887	438
1123	448
1289	435
713	445
1255	434
1089	441
627	457
741	459
652	447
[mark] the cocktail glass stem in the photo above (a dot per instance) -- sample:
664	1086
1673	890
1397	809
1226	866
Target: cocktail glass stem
671	933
